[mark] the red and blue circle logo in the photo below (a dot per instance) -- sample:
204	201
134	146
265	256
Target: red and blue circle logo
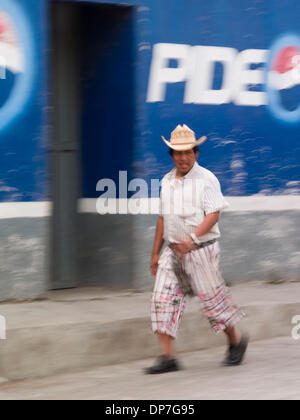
283	79
16	62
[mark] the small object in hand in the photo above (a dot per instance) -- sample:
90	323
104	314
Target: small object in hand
195	239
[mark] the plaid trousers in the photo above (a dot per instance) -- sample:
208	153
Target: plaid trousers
168	300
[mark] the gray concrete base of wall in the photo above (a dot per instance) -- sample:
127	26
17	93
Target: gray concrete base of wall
114	251
85	328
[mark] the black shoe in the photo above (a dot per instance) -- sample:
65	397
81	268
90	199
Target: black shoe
236	354
163	365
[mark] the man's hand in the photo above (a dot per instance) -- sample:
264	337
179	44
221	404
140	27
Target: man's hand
184	247
157	246
154	264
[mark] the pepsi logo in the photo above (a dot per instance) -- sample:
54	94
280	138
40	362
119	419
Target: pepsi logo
11	54
17	64
283	79
285	68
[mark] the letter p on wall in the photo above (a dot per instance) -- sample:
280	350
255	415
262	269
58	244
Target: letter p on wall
2	328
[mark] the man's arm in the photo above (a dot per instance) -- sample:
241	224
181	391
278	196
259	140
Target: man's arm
157	245
209	221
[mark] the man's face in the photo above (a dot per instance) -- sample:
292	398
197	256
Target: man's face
184	161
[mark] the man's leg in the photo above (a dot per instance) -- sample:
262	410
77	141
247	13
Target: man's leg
167	307
167	361
167	345
234	335
237	347
216	300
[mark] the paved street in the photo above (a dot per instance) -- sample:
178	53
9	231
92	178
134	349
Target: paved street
271	371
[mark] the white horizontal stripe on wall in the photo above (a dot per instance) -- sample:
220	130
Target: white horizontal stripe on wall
264	203
14	210
151	205
253	203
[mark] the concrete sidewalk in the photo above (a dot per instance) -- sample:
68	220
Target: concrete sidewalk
87	327
270	371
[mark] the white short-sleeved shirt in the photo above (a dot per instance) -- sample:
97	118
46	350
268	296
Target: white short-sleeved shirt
185	202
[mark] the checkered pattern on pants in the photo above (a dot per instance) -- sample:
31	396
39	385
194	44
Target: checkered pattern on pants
168	300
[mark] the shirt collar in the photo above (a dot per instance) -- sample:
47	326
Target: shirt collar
186	176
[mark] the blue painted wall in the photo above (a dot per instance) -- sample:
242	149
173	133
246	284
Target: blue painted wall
249	148
23	140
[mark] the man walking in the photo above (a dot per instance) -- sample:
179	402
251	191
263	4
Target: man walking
190	204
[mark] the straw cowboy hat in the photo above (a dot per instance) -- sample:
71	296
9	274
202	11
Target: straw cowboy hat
183	138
